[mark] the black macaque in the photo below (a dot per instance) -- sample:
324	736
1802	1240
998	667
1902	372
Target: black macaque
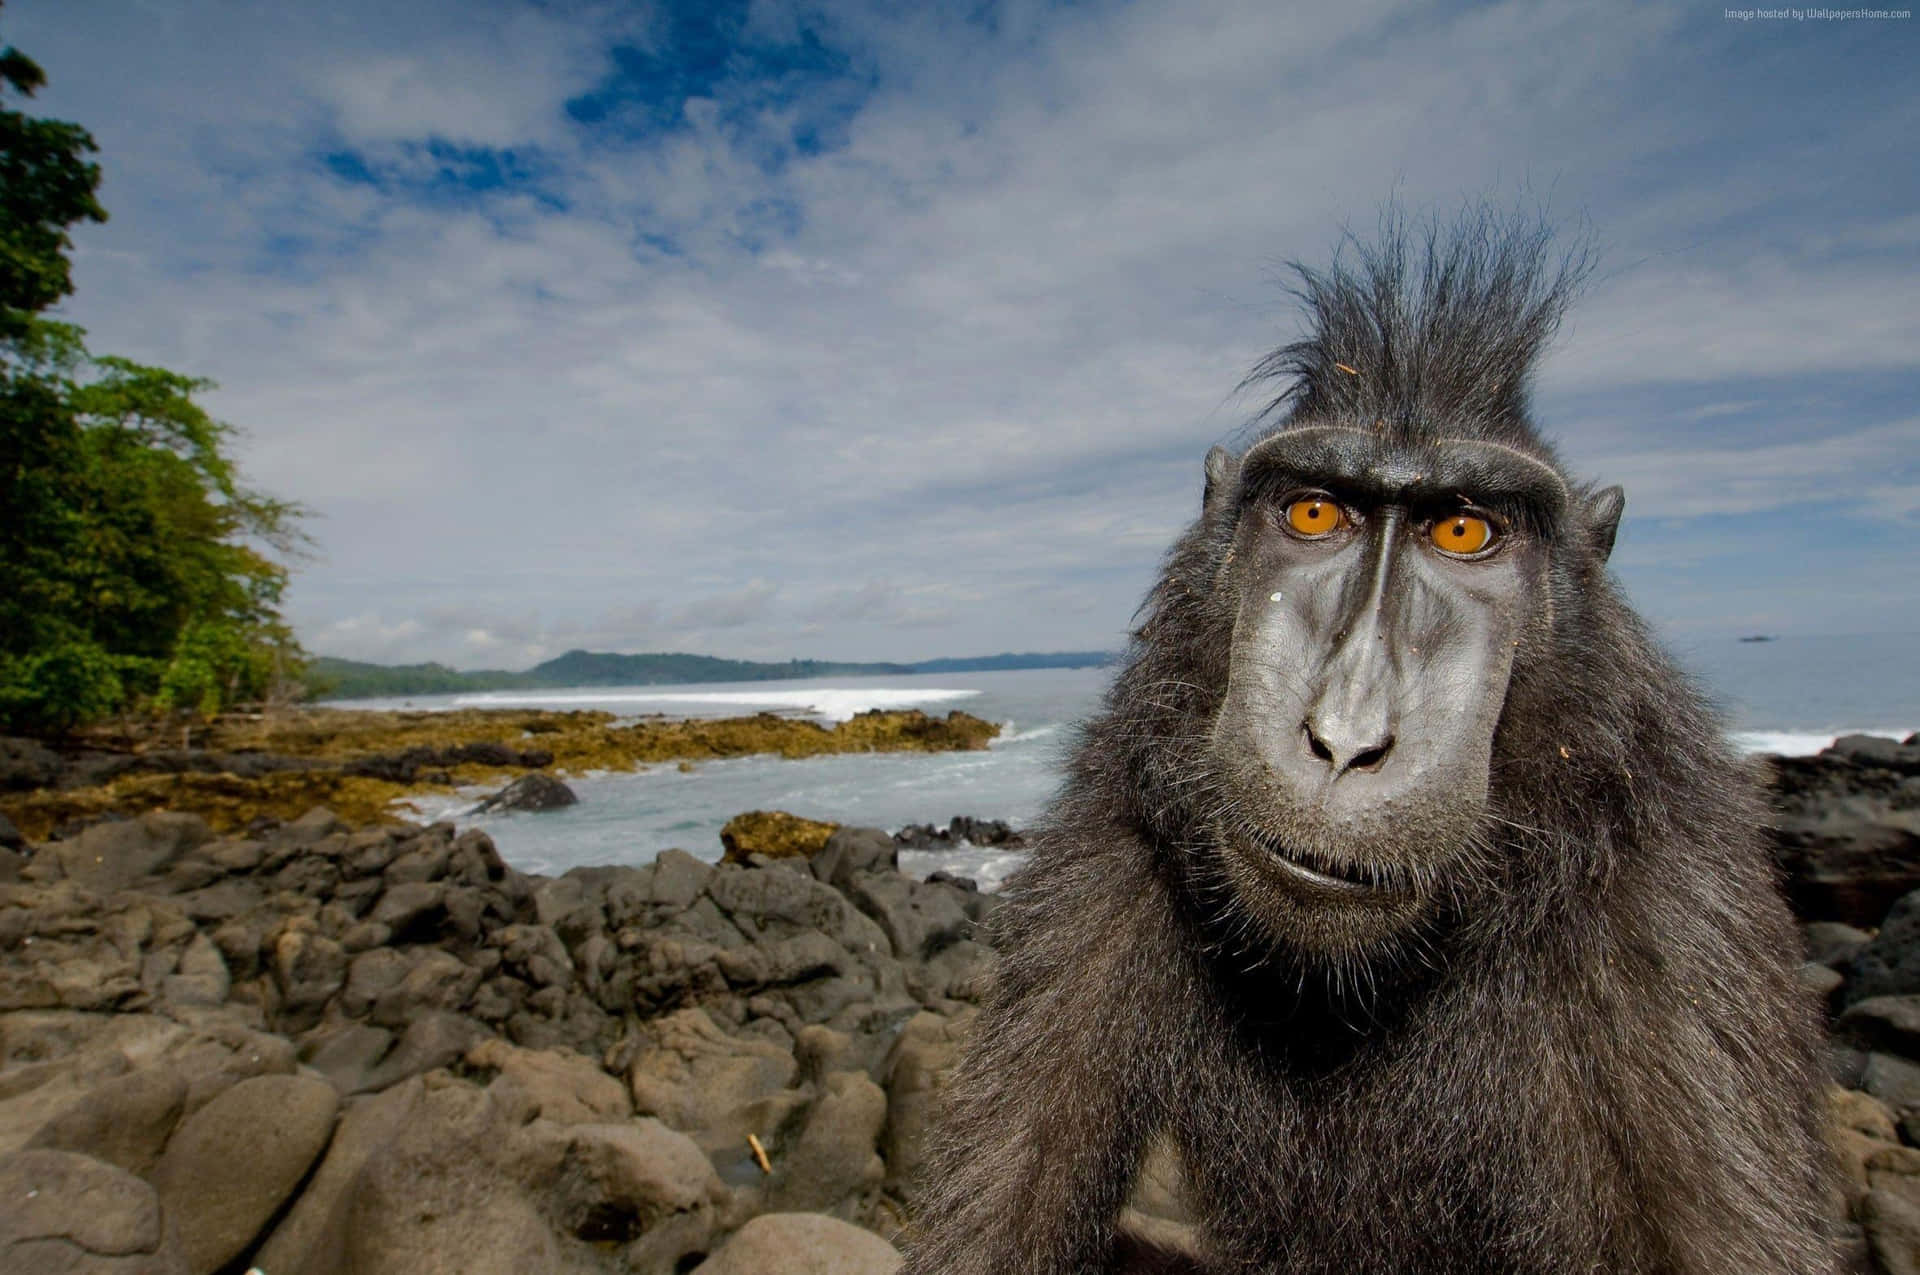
1402	881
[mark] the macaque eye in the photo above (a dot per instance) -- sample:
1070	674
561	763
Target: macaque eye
1315	516
1462	534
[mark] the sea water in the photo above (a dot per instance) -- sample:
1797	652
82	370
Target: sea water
1793	695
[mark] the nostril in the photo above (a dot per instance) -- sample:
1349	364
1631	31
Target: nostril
1371	758
1320	750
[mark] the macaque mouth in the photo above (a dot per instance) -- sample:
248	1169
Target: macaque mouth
1318	872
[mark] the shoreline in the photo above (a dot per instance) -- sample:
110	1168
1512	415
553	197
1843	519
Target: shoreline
361	762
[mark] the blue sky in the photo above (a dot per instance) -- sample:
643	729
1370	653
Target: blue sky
896	331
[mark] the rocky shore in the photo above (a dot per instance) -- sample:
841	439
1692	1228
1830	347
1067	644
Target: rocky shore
309	1047
360	763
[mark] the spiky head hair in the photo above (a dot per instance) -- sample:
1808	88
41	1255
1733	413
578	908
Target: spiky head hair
1428	331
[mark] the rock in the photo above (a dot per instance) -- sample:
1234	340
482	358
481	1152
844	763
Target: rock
67	1214
1889	965
1894	1081
311	828
552	1084
1893	1233
851	850
345	1053
1862	1112
1887	1023
832	1166
917	1074
124	1122
801	1244
437	1038
1822	982
365	1125
1832	944
918	920
693	1076
112	856
412	911
232	1163
1879	752
1847	848
10	838
438	980
773	833
26	763
536	953
462	1185
433	1199
534	791
638	1187
309	969
779	905
202	978
678	879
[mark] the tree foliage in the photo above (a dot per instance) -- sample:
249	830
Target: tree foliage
136	568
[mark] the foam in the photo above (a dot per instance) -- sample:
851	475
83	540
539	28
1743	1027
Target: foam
833	703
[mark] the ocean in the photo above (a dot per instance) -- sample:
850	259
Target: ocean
1790	695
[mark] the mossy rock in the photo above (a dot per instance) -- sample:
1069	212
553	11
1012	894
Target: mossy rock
775	834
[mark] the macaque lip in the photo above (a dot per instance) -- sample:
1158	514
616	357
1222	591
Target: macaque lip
1319	876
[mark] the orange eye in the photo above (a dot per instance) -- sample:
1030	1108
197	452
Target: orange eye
1315	516
1462	534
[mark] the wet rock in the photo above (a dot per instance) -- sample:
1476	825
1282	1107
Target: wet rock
231	1164
534	791
802	1244
67	1214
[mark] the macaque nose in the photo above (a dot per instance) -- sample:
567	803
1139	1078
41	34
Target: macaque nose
1338	743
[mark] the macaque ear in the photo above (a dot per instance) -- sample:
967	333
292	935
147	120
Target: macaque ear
1222	470
1601	514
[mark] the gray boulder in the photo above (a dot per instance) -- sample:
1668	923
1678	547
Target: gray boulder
802	1244
67	1214
232	1164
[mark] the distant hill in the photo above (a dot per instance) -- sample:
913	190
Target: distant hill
331	678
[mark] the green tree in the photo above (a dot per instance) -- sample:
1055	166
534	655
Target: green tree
135	566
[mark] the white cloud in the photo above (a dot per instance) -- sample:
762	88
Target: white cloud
622	412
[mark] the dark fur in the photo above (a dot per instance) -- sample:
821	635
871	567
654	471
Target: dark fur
1594	1059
